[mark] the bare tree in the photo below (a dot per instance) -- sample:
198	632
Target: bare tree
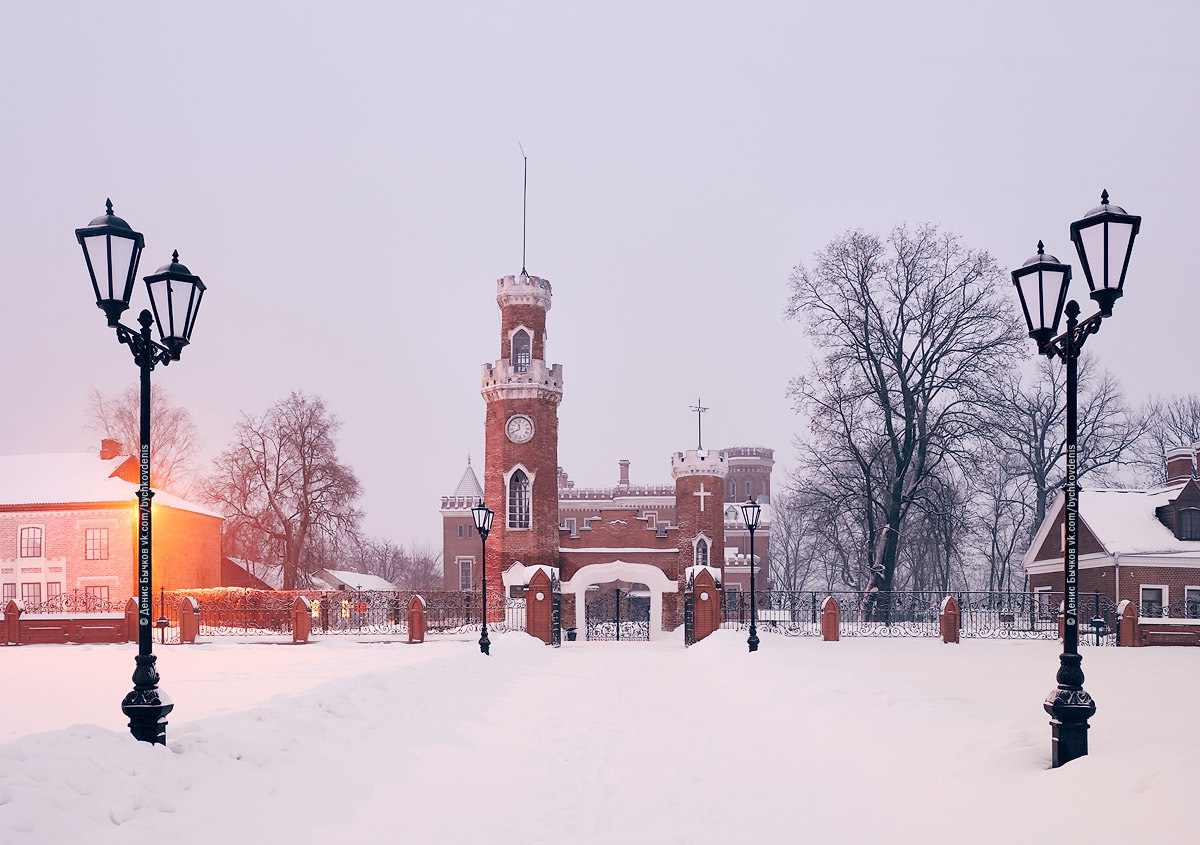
1003	523
1166	423
906	333
174	439
1030	421
281	485
414	567
793	537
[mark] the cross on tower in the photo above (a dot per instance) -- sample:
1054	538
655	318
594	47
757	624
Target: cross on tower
703	495
699	409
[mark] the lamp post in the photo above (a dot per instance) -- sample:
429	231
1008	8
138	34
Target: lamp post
1103	240
751	511
483	524
112	251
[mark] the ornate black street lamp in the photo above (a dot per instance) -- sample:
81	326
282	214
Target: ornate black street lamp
751	511
483	524
112	251
1104	241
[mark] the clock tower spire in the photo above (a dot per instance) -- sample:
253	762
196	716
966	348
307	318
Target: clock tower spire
522	393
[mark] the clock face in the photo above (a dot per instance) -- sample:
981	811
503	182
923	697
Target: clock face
519	428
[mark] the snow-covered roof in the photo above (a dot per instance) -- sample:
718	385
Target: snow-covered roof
468	487
335	578
74	478
1123	521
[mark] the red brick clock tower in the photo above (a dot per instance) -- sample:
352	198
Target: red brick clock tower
521	462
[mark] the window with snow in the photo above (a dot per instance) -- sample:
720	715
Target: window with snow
10	592
31	542
464	574
520	351
701	552
518	500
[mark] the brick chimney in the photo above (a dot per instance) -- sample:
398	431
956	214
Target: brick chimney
110	449
624	464
1179	464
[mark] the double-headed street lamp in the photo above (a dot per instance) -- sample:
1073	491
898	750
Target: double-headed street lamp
112	251
483	524
1104	240
751	511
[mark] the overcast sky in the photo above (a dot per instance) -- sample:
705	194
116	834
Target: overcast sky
346	178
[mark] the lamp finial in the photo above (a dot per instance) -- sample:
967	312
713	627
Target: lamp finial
1041	248
175	256
108	206
1104	197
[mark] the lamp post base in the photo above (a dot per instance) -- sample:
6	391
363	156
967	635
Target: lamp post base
485	644
753	641
1070	707
146	705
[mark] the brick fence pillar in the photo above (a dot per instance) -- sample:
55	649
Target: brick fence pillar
12	623
301	619
831	620
417	620
706	607
189	619
132	617
539	607
1127	633
950	620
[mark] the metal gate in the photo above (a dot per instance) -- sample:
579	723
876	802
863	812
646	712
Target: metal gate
555	611
618	615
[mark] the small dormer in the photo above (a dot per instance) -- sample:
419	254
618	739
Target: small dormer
1182	514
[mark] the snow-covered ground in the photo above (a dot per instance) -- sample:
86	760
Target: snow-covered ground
900	741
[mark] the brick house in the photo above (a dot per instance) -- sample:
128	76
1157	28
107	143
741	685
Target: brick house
69	522
1137	545
640	538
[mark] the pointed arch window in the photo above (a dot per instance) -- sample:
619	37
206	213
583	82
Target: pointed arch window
702	552
520	351
518	500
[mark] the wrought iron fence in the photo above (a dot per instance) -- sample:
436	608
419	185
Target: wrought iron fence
1187	608
992	615
247	612
74	601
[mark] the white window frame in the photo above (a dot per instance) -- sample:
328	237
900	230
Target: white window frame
708	547
508	526
41	541
470	564
1186	600
1166	596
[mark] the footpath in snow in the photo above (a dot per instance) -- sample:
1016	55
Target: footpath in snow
903	741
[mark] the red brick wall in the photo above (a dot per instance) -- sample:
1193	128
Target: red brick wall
1132	576
533	318
1052	546
693	521
186	547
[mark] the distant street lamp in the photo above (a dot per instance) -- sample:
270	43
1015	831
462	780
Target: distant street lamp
483	524
751	511
112	251
1104	240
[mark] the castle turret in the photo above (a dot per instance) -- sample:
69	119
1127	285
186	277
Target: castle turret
699	505
521	463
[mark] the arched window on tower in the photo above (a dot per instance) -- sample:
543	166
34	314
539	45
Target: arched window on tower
520	351
518	500
702	552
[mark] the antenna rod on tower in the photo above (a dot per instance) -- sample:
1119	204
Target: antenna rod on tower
699	409
524	206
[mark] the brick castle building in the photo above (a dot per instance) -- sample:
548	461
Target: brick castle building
639	537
